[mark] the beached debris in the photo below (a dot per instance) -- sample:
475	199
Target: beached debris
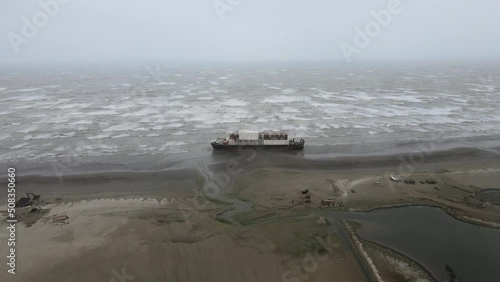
394	178
304	192
409	181
430	181
35	209
322	221
327	203
61	219
26	201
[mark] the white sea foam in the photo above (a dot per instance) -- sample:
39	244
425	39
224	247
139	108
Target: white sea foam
141	112
81	122
72	106
405	98
37	116
361	95
289	91
27	90
117	106
99	136
234	103
174	125
28	129
120	136
121	127
272	87
19	146
60	149
174	143
31	98
284	99
22	107
38	136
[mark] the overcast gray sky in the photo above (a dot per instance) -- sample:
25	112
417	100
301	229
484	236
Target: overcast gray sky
253	30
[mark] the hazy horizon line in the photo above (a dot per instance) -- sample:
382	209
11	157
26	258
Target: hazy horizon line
146	62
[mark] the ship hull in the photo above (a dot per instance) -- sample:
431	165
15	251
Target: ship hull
217	146
246	139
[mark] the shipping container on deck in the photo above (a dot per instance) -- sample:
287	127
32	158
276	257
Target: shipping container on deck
248	135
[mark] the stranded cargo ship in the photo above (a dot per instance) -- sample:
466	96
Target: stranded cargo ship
247	138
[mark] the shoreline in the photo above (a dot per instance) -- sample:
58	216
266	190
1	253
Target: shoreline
283	159
381	151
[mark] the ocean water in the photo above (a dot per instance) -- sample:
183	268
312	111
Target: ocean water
52	114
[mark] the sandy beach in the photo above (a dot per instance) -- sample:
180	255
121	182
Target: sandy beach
259	226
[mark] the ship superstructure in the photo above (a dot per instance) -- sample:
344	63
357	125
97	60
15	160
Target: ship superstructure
250	138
